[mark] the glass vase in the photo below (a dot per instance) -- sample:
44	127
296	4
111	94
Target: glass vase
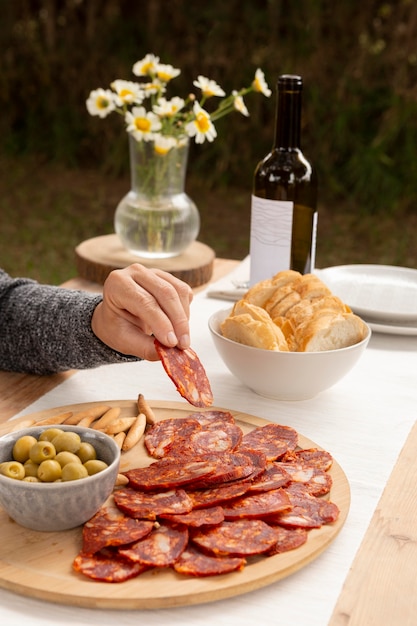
156	219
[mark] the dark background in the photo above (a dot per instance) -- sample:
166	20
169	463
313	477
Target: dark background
63	172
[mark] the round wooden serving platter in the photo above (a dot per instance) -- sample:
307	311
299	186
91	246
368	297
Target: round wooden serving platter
95	258
39	564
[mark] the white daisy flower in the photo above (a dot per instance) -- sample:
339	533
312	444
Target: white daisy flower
142	124
101	102
153	88
168	108
201	127
127	92
166	72
163	144
259	83
239	104
208	87
146	66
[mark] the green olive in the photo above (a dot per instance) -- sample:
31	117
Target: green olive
22	448
67	440
13	469
42	451
73	471
94	466
31	468
86	452
31	479
65	457
49	471
49	434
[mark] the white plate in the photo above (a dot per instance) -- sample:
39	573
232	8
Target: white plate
392	329
382	294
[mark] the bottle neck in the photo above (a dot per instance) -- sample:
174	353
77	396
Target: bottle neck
288	114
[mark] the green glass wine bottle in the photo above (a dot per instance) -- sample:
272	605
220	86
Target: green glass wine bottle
284	198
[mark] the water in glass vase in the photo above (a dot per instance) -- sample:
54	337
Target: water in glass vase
158	228
156	219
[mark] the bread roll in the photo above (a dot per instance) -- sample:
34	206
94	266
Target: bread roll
279	304
330	332
260	292
285	277
263	331
244	329
306	309
310	286
293	312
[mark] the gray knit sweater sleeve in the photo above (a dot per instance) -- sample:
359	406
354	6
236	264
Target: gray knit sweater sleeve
46	329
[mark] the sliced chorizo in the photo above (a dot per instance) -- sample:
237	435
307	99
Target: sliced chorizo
205	440
311	456
192	562
273	440
307	511
187	373
171	473
198	517
316	480
230	466
217	495
273	477
159	549
145	505
257	505
288	539
242	537
106	566
170	433
221	422
111	527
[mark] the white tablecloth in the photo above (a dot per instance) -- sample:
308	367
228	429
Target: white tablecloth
363	421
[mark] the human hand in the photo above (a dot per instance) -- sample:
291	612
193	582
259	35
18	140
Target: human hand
139	302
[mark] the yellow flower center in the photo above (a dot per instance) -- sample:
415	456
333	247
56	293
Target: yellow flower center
102	103
164	76
161	151
202	122
147	67
257	85
125	93
143	124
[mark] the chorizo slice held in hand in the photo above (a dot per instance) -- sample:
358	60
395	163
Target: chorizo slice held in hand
187	373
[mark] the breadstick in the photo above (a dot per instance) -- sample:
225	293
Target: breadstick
55	419
135	432
107	418
119	425
144	408
121	480
96	411
25	424
86	421
119	438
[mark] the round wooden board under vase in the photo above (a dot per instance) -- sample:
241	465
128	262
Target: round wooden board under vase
97	257
39	564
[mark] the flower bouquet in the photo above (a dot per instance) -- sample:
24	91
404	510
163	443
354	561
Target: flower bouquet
156	217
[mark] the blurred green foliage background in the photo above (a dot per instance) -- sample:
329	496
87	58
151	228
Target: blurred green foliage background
358	61
63	172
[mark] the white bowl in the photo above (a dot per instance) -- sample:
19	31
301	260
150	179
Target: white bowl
60	505
284	375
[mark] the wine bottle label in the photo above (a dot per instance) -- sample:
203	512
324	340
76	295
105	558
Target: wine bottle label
270	237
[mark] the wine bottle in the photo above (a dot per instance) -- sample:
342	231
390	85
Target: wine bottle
284	197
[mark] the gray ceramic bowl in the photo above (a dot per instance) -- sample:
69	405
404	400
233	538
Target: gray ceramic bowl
62	505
